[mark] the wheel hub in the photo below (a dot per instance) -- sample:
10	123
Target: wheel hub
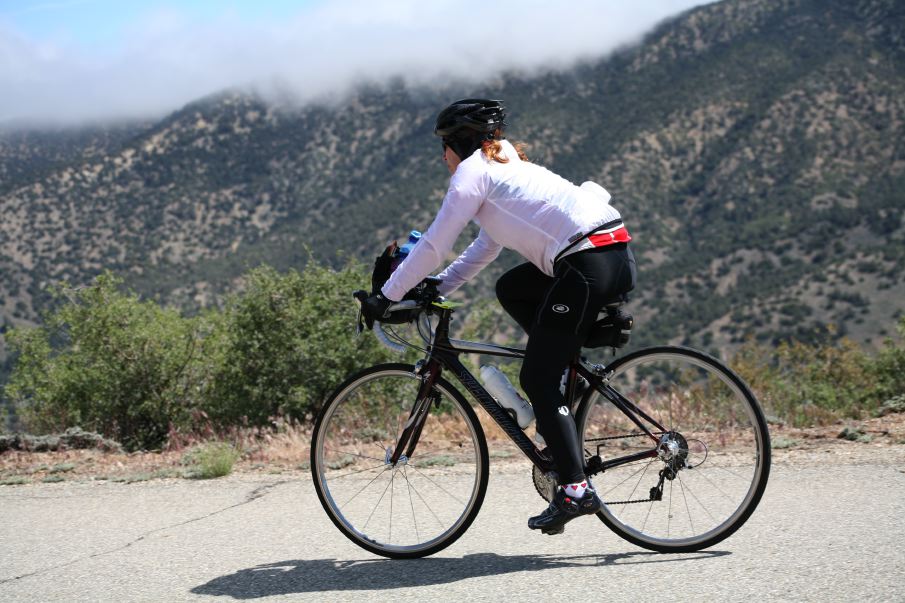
673	450
388	459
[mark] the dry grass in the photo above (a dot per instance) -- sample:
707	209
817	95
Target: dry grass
285	449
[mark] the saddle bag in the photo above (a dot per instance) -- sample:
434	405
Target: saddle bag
611	331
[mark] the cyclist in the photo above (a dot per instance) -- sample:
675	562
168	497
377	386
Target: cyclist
578	261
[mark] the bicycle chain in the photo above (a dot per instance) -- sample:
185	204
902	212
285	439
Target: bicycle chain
622	437
619	437
614	502
628	502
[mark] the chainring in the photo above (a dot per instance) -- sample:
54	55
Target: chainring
544	483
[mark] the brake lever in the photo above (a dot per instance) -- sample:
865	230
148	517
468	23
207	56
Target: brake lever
360	327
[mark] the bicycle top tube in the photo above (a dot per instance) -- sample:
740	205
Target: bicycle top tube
490	349
447	343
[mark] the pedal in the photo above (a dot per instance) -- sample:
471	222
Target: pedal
554	531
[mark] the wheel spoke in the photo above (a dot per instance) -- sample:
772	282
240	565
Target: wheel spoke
715	487
392	491
649	508
733	473
642	470
342	475
364	456
427	506
669	511
698	400
448	493
684	498
379	500
411	502
702	505
364	487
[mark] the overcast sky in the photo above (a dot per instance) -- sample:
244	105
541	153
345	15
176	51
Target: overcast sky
75	60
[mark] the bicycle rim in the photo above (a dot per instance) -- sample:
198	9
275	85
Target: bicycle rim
715	450
421	504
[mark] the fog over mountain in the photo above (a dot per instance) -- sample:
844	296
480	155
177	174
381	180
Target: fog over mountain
167	58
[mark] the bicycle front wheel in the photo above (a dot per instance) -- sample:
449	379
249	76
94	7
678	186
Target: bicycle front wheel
418	505
713	450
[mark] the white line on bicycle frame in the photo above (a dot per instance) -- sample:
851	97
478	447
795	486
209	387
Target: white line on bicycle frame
468	347
485	348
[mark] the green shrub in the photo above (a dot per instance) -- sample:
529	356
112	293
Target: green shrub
108	362
133	371
15	480
214	459
62	468
781	443
286	342
888	369
853	434
807	384
895	404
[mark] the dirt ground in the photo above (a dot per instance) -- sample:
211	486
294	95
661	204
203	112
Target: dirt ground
287	453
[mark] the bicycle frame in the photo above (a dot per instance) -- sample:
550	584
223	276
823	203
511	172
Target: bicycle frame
443	353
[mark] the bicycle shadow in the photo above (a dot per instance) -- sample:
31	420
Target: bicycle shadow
322	575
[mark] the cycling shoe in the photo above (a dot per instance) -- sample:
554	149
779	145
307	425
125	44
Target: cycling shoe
564	509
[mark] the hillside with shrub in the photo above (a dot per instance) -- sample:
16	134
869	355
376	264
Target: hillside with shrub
755	148
143	375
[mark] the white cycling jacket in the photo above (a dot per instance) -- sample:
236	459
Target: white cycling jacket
518	205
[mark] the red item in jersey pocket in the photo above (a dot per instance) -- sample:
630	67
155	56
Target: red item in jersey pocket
602	239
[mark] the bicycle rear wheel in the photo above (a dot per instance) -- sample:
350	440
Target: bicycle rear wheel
714	450
419	505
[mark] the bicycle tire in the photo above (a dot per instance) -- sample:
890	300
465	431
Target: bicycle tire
712	410
394	384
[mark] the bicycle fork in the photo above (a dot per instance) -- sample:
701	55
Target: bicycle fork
427	396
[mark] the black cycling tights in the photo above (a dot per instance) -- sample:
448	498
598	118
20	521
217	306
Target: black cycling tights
557	313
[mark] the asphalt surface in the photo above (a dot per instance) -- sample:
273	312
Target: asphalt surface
830	528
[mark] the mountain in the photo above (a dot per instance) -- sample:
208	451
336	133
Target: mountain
755	148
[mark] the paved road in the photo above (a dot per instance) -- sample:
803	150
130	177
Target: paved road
829	528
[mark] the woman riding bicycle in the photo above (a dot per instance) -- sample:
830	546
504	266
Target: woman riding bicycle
578	262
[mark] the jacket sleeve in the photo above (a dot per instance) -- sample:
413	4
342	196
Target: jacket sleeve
462	202
481	252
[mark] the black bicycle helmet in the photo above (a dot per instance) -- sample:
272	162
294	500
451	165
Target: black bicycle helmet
466	124
480	115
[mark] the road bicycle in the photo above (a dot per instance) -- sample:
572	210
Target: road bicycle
675	442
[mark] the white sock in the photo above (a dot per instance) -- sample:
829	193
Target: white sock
576	490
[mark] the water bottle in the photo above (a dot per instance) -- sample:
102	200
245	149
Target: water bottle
499	386
406	248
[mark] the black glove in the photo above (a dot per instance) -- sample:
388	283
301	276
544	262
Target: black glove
375	308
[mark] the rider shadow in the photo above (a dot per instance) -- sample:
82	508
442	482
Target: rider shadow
324	575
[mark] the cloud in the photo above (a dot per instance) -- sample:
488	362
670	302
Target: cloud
167	58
